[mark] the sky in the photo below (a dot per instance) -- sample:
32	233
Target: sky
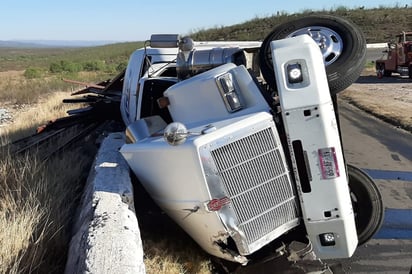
134	20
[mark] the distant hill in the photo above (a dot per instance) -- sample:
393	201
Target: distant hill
378	25
52	43
17	44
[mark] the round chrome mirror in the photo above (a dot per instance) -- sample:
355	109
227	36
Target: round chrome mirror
175	134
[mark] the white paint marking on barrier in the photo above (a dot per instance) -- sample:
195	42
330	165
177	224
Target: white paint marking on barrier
107	164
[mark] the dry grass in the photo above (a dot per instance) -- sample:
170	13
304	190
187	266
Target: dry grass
20	212
37	200
16	89
26	118
164	256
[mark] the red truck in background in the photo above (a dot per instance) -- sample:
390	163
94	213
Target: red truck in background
398	58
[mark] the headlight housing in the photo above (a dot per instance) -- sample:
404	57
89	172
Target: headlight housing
227	88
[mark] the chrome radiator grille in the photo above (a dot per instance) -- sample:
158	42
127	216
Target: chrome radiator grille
256	180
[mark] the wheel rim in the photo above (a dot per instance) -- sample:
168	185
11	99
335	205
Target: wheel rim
329	42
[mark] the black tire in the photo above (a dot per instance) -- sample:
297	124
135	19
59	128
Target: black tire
342	69
379	70
386	73
367	204
410	72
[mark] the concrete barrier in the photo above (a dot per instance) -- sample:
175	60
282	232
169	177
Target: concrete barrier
107	236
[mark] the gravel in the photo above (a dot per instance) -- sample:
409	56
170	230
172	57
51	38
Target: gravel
5	116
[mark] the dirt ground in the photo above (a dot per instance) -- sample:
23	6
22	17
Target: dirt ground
389	98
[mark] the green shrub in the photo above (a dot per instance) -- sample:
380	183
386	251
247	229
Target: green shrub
65	66
33	72
96	65
55	68
72	67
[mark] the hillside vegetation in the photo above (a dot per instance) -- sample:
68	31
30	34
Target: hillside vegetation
43	58
378	25
40	70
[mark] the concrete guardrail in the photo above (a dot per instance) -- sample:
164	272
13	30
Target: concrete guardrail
106	233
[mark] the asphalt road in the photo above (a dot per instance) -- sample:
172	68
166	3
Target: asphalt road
385	153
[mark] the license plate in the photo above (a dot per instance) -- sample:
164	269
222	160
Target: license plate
328	163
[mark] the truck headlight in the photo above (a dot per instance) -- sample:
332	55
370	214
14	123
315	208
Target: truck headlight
327	239
227	88
226	82
294	73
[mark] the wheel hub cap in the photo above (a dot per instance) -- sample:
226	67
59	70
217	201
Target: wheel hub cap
330	43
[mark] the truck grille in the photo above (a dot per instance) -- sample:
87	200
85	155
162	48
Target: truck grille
257	182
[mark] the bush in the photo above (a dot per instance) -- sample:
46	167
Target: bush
72	67
94	65
33	72
65	66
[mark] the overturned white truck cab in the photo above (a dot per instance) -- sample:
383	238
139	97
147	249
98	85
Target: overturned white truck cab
239	142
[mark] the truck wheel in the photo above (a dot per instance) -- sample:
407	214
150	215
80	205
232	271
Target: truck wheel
410	77
367	204
379	70
341	42
386	73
